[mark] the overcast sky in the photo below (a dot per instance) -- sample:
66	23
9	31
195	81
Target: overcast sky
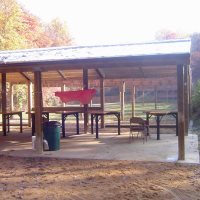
119	21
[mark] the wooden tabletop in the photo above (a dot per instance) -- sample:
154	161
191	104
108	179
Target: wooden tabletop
12	112
160	112
33	112
56	112
67	112
100	112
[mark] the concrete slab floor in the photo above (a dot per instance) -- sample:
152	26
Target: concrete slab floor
108	146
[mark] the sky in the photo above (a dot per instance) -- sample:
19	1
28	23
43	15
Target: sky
93	22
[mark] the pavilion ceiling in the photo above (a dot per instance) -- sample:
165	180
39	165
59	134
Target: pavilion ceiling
94	74
128	61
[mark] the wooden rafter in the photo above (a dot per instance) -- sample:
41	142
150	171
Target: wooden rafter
101	73
140	76
61	74
25	76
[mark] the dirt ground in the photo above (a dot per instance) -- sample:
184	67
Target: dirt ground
51	179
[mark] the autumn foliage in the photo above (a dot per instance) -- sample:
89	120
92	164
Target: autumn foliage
19	29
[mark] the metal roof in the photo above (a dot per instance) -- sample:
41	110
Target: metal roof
103	51
124	61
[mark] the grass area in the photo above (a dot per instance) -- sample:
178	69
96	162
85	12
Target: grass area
139	110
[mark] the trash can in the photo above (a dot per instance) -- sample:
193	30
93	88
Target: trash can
51	130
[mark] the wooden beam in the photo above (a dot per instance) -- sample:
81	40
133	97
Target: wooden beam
25	76
85	86
135	75
63	89
4	102
186	98
101	73
133	100
95	63
38	111
61	74
30	101
11	98
147	82
122	99
180	101
102	101
189	90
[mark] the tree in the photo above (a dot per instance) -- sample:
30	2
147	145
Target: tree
34	31
58	33
21	29
10	24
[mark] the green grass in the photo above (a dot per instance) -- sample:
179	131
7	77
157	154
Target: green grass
139	110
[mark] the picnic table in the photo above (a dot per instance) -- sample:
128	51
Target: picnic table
64	115
159	114
98	114
7	116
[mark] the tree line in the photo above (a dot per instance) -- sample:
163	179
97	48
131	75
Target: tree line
20	29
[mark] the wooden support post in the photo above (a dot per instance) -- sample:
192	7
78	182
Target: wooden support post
4	106
156	97
102	100
63	89
11	98
38	111
30	101
189	90
186	99
133	101
122	100
180	101
85	86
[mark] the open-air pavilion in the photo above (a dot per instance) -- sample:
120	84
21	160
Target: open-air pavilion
146	63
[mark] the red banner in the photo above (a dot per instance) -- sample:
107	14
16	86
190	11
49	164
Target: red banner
84	96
